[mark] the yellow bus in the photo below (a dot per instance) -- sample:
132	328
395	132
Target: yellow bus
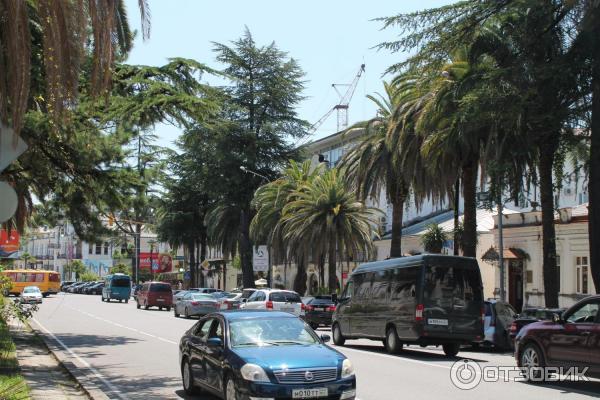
47	281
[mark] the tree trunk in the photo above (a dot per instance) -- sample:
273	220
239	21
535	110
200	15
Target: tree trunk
245	247
594	182
332	281
202	258
300	279
322	270
192	251
456	216
397	216
548	231
137	240
469	181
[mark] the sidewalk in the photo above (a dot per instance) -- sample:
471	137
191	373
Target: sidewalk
46	377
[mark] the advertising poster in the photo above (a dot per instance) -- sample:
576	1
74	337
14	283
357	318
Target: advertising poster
9	244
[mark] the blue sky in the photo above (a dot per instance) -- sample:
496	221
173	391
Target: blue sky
329	38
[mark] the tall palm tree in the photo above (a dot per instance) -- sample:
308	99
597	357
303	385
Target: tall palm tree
326	215
64	26
267	225
370	165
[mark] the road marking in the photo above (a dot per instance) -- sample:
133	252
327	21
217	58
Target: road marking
341	348
122	326
96	373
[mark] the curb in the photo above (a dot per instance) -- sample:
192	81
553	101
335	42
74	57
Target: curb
77	371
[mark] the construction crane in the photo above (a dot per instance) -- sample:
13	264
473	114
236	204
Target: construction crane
343	104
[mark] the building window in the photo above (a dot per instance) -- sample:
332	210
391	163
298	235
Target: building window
99	248
90	248
529	276
583	198
105	248
582	268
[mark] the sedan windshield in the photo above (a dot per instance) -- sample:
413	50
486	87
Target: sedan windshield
198	296
31	290
270	332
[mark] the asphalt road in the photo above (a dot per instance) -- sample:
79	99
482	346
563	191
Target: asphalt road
133	354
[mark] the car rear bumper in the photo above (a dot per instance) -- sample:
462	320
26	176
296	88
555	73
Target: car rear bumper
196	310
318	318
335	389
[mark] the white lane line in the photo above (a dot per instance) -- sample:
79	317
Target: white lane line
96	373
409	360
123	326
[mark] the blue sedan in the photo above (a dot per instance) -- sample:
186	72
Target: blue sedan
262	355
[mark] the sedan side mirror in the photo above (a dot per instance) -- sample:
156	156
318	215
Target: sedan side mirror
325	338
214	342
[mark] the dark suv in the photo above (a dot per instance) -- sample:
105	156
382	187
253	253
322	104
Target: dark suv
319	311
570	340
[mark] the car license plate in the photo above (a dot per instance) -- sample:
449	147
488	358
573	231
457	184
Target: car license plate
432	321
309	393
160	299
320	308
287	309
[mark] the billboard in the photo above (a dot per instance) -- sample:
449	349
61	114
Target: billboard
156	262
98	267
9	243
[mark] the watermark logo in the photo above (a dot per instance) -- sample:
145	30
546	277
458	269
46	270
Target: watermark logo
468	374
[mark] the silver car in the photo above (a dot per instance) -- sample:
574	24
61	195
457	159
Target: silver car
31	294
194	303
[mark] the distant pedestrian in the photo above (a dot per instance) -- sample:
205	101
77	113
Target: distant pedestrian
180	285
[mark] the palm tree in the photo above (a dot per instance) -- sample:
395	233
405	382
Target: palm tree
64	26
267	226
326	215
370	165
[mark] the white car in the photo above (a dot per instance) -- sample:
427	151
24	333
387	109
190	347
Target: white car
276	300
31	294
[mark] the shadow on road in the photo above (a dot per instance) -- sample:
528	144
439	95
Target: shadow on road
82	343
182	395
411	353
591	388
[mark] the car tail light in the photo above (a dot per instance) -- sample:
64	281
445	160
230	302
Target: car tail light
331	308
195	303
419	312
308	308
228	304
513	327
269	305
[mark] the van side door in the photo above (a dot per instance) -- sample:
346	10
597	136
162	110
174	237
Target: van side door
343	308
403	300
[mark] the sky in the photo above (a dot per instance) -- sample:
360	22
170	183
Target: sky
329	38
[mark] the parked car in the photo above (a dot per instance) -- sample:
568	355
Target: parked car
81	288
531	315
178	294
65	284
31	294
204	290
71	287
89	289
195	304
260	354
228	301
499	317
155	294
319	311
426	300
275	300
571	340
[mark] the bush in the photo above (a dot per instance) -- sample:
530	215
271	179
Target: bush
433	239
120	269
89	277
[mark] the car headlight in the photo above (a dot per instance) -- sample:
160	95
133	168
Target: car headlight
254	373
347	369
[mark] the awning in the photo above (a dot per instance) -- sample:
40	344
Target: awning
511	253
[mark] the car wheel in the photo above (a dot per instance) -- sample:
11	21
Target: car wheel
185	313
338	337
138	305
159	308
175	312
126	301
146	306
451	349
168	309
532	359
188	379
392	341
230	390
102	298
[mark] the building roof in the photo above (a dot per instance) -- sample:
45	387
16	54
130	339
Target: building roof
485	222
335	140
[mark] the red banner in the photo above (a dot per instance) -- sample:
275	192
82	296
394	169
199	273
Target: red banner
160	262
8	243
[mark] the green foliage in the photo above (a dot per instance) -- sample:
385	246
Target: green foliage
89	277
120	269
77	267
433	239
